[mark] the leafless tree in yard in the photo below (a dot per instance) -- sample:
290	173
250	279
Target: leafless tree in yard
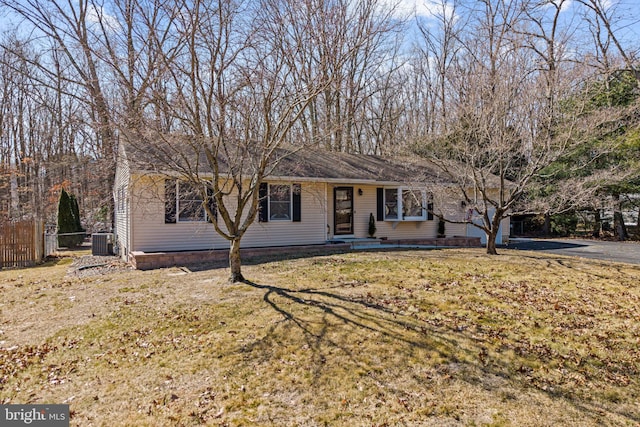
497	137
516	103
593	176
231	102
548	41
230	80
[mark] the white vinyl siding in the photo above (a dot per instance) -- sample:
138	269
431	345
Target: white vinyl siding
153	235
365	204
310	230
121	198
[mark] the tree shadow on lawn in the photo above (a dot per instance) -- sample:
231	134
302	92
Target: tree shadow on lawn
568	261
411	337
294	254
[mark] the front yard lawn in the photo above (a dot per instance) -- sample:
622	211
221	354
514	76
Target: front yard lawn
450	337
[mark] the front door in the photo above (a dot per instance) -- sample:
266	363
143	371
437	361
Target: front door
343	205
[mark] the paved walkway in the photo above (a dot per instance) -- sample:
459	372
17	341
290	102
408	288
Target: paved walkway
628	252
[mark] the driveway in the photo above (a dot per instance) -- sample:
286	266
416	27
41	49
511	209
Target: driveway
628	252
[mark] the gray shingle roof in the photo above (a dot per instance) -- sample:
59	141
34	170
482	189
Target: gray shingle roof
317	163
301	163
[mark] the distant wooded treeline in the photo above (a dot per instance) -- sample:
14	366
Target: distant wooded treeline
543	95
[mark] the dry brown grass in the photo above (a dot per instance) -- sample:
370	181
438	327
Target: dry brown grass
383	338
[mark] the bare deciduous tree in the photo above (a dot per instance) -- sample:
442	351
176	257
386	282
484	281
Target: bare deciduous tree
85	47
353	45
497	138
232	102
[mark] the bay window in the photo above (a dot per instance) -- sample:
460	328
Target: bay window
391	203
404	204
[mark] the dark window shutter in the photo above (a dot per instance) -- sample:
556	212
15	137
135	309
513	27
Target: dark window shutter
263	204
212	204
297	203
170	201
430	209
380	203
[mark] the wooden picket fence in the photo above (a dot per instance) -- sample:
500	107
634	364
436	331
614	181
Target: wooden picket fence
21	243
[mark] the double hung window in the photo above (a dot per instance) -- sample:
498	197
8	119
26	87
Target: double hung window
184	202
279	202
121	195
190	203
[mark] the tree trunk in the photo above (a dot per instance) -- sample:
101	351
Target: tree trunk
546	228
494	229
597	223
621	229
491	243
235	262
618	219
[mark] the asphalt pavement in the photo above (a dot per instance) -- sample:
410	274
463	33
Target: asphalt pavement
628	252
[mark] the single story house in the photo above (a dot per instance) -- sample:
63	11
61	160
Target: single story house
312	197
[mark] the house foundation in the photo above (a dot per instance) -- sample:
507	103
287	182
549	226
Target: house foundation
152	260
